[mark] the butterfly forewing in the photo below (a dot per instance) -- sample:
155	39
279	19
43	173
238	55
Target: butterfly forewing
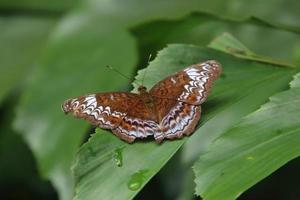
191	85
125	113
103	109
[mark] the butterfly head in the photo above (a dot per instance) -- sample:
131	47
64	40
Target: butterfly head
142	89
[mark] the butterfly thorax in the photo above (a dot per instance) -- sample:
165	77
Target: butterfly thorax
148	101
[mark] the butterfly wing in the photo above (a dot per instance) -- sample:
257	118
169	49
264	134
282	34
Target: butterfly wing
191	85
115	111
178	98
176	118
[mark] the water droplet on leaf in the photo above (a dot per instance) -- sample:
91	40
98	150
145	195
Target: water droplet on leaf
249	157
137	180
117	157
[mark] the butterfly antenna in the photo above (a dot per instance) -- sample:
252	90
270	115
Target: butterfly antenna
144	75
120	73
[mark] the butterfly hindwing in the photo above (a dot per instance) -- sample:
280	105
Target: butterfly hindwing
140	121
177	118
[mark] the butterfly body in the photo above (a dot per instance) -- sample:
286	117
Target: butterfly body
171	109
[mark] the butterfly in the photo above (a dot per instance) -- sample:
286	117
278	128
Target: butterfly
169	110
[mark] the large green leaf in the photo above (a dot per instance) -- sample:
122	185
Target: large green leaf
21	39
258	145
105	163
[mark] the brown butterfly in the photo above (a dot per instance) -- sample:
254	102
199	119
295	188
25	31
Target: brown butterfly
171	109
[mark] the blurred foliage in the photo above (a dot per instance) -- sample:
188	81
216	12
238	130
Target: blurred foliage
54	50
19	178
21	39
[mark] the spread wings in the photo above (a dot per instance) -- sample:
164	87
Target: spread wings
173	110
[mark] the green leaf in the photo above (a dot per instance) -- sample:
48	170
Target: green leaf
21	39
96	171
228	44
73	64
254	148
